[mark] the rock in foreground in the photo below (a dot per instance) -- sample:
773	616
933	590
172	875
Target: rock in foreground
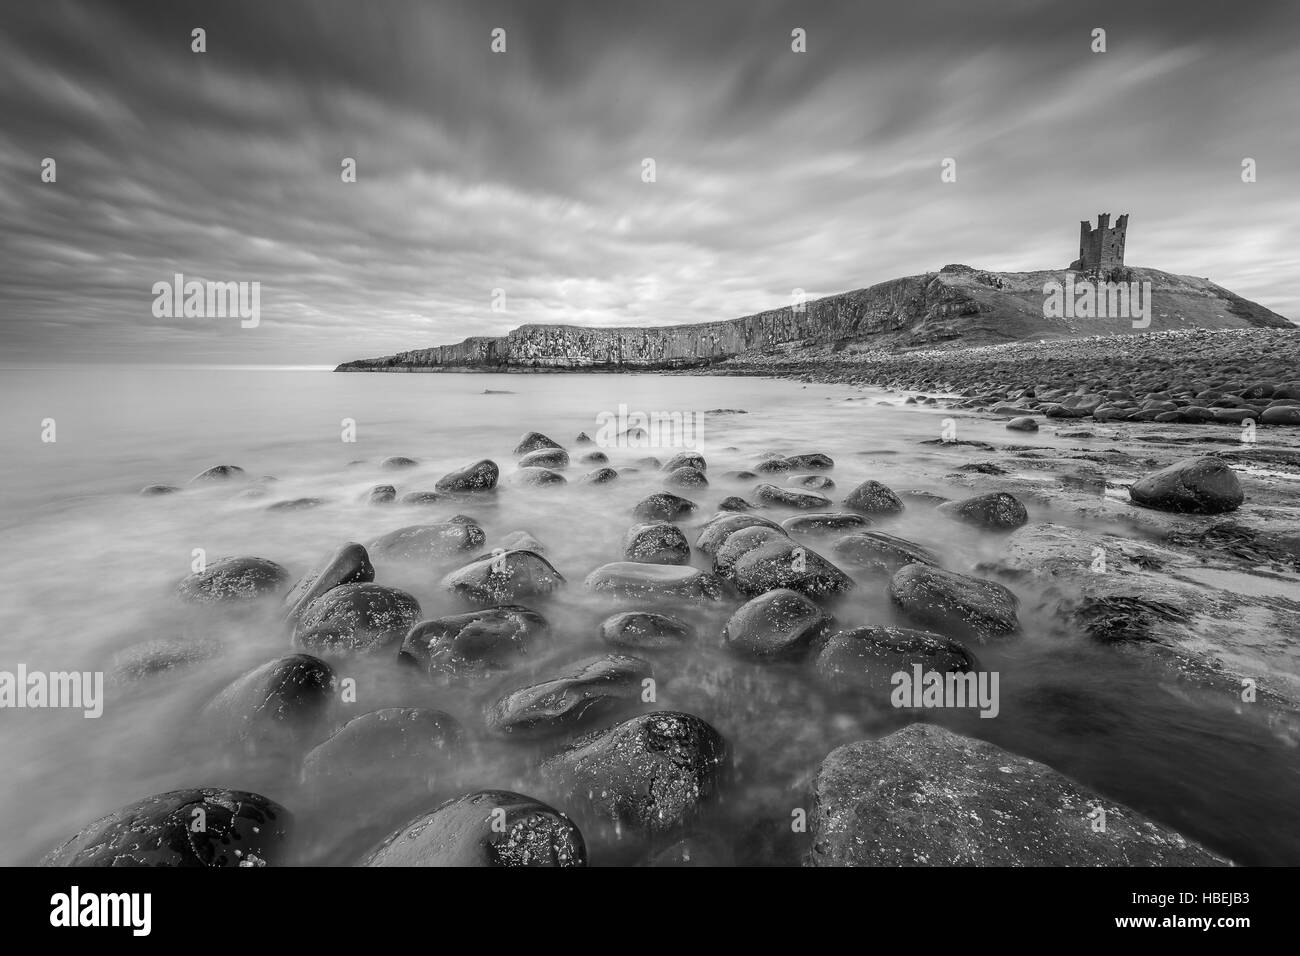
239	829
487	828
1205	486
924	796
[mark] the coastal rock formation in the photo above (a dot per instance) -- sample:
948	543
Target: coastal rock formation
955	303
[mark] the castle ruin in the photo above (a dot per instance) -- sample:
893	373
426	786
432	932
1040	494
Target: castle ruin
1101	250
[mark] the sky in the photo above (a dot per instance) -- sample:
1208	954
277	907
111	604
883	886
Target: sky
495	189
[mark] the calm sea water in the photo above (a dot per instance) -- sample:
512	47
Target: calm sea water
90	567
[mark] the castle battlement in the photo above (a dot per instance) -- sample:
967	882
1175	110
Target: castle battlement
1101	250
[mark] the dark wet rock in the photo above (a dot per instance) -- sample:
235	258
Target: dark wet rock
782	563
533	441
740	475
537	476
233	580
218	473
1281	415
384	752
474	644
600	476
522	541
686	478
504	577
151	658
635	581
789	498
924	796
719	527
740	542
486	828
583	439
421	498
152	491
361	618
997	511
595	458
824	522
657	543
663	506
421	542
275	705
645	630
773	465
396	462
650	774
873	498
1198	486
779	624
686	459
480	476
552	458
649	461
814	461
867	658
381	495
239	828
1023	424
956	603
811	482
588	690
733	503
880	552
350	564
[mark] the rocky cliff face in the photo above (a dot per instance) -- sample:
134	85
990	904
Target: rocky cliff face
957	305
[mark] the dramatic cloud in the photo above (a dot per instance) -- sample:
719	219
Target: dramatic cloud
521	171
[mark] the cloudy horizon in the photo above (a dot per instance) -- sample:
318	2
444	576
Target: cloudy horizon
521	171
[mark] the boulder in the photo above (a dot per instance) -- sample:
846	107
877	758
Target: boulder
789	498
504	577
424	542
476	643
274	706
1198	486
485	828
663	506
657	543
881	553
532	441
649	774
233	580
552	458
645	631
652	582
781	563
997	511
873	498
239	829
925	796
586	691
350	564
480	476
779	624
867	658
952	602
719	527
824	522
362	618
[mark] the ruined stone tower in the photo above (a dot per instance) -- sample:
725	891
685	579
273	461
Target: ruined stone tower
1101	250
